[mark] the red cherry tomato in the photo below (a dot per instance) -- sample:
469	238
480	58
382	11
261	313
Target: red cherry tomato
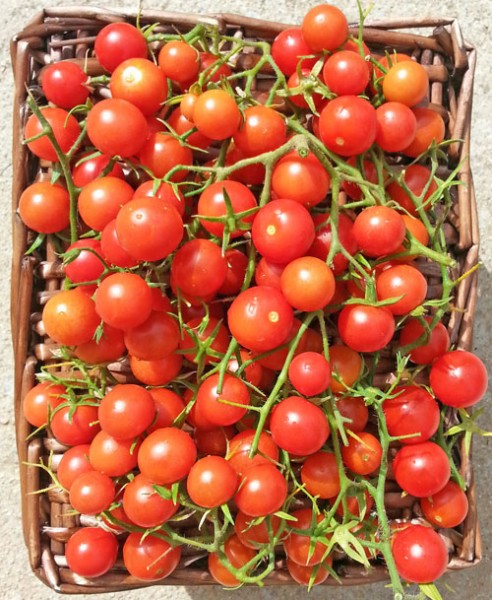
262	491
141	82
320	475
307	283
379	230
211	482
64	126
64	84
365	328
324	27
421	469
91	551
363	453
436	345
150	558
123	300
404	282
126	411
144	506
289	48
310	373
262	130
118	42
447	508
345	73
70	317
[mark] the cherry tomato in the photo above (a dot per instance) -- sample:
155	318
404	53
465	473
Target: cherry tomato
92	492
346	368
218	200
166	455
417	178
458	379
73	463
64	84
354	409
396	126
310	373
110	346
160	371
320	475
254	535
70	317
155	338
209	400
260	318
214	67
421	555
404	282
150	558
348	125
363	453
162	152
213	441
118	42
322	243
303	179
91	551
262	130
211	482
430	129
379	230
283	230
268	273
141	82
87	169
303	80
117	127
365	328
240	446
126	411
307	283
168	406
301	548
86	266
345	73
237	263
299	426
179	61
123	300
237	554
144	506
181	125
324	27
262	491
162	191
216	114
289	48
421	469
207	343
74	425
41	400
447	508
406	82
415	229
112	250
64	126
113	457
314	575
436	345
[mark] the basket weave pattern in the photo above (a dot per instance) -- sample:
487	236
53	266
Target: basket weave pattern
69	33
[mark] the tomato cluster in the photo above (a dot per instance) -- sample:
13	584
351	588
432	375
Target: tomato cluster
248	267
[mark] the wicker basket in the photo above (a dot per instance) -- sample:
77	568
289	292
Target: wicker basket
68	33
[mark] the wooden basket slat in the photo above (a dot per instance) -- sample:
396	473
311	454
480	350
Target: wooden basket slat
445	55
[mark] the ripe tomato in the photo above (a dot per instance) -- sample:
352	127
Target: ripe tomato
299	426
379	230
262	491
70	317
123	300
213	441
345	73
260	318
396	126
144	506
117	42
415	229
404	282
211	482
310	373
198	268
412	411
86	169
363	453
108	348
73	463
430	129
100	200
289	48
302	575
237	554
126	411
168	406
64	84
240	446
417	178
346	368
41	400
447	508
303	80
369	172
347	125
421	555
86	266
437	344
117	127
214	339
166	455
301	548
64	126
406	82
237	263
216	114
268	273
220	199
150	558
458	379
209	400
91	551
307	283
303	179
322	242
92	492
354	409
162	152
155	338
365	328
140	82
113	457
113	253
160	371
254	535
74	425
324	27
283	230
320	475
214	67
179	61
162	191
421	469
262	130
181	125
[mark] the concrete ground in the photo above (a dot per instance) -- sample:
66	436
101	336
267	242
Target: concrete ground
16	580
